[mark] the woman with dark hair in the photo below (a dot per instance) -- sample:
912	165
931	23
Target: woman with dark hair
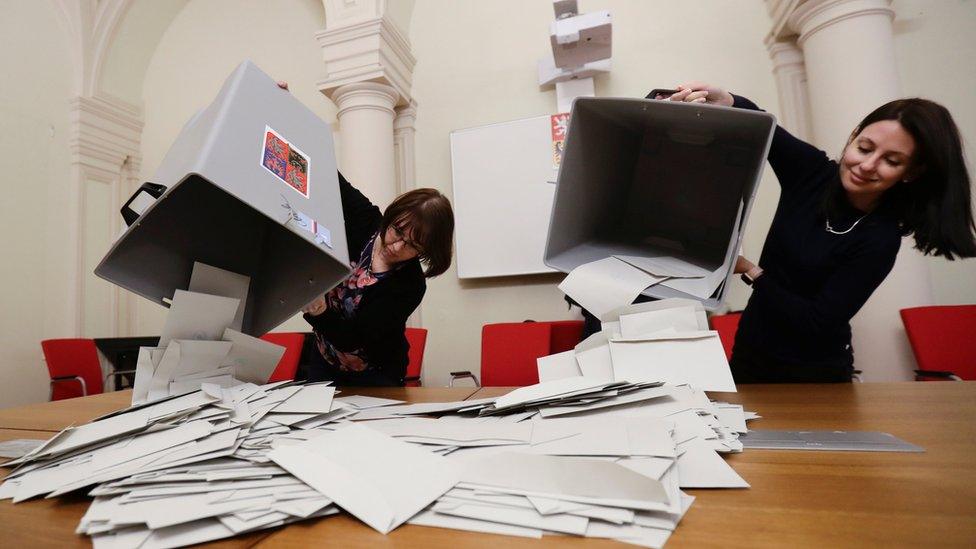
837	229
359	324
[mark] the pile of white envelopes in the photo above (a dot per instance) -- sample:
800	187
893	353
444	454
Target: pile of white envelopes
202	343
585	452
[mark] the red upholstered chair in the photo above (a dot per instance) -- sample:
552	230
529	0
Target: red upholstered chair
73	366
509	351
288	365
943	339
726	325
566	334
417	338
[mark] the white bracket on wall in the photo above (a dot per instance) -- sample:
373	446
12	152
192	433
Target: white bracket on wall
581	49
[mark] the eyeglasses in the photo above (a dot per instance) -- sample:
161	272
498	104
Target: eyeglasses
398	231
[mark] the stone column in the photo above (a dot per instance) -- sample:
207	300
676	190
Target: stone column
848	49
366	113
791	85
404	133
369	69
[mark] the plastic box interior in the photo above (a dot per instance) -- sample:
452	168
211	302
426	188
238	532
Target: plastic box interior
655	178
224	208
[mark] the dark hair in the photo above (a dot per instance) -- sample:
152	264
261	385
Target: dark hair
429	215
935	206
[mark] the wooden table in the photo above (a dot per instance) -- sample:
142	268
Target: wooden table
797	499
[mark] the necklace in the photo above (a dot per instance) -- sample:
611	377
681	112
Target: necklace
851	228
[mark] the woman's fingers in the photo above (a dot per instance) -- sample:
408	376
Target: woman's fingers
282	84
680	95
696	95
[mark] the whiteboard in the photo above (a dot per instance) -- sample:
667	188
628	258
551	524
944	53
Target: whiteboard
504	183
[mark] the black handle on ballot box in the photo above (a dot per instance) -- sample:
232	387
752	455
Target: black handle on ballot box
131	212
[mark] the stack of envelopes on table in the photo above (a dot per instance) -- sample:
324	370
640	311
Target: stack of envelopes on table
586	452
185	469
201	341
665	340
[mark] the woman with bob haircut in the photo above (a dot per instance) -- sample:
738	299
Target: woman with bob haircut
359	325
837	229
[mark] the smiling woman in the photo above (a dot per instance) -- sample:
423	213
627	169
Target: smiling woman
837	231
359	324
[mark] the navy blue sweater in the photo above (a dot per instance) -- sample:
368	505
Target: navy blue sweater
814	281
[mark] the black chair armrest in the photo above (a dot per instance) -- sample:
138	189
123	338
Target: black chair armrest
937	374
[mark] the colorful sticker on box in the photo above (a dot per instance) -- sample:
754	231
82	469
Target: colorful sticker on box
286	161
559	124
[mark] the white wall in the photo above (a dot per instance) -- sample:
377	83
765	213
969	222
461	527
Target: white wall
33	211
936	53
476	65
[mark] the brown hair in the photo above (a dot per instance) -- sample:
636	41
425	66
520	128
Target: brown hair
935	206
430	217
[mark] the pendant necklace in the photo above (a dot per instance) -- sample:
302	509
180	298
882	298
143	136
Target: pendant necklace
851	228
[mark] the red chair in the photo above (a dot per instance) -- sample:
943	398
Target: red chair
509	351
943	339
566	334
417	338
726	326
73	367
288	365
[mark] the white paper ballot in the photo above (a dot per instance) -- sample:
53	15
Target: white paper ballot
253	359
694	358
198	316
207	279
546	389
601	286
558	366
701	467
664	266
681	319
352	466
582	480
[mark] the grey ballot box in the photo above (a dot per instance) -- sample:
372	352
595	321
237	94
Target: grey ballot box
655	179
253	189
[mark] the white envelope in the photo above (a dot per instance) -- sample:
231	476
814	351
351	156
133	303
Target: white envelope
700	467
583	480
664	266
558	366
695	358
546	389
198	316
207	279
681	319
603	285
352	466
253	359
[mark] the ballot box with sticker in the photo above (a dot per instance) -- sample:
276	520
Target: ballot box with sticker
663	187
249	187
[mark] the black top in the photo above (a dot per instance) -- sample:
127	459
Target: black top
814	281
379	322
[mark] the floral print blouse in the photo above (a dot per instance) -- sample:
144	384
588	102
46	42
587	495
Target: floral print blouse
345	299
